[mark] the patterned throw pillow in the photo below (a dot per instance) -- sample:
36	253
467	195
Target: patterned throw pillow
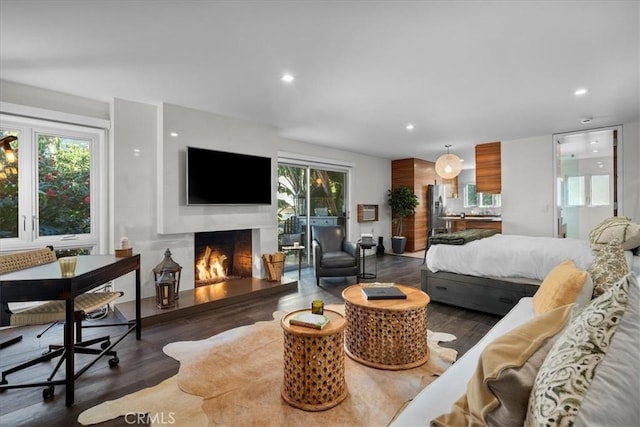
616	227
571	365
609	266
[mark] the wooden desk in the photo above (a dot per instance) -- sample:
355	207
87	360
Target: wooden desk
45	283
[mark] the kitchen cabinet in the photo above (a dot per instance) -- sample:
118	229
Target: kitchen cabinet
488	168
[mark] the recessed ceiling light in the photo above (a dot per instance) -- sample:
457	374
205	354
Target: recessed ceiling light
593	142
174	134
585	121
581	91
410	126
287	78
594	151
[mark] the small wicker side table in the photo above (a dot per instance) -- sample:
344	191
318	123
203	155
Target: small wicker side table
386	334
314	363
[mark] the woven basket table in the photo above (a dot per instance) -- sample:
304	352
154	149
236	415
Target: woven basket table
314	363
387	333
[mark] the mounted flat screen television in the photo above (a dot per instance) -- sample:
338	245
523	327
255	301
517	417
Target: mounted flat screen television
224	178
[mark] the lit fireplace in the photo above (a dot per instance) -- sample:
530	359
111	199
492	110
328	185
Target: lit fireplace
222	256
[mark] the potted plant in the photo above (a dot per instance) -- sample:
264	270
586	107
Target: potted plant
403	202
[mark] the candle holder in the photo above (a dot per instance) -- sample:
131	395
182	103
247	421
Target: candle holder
165	291
317	306
172	268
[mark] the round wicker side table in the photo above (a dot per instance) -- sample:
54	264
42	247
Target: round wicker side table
314	363
387	333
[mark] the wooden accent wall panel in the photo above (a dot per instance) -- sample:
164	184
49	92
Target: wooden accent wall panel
488	168
415	174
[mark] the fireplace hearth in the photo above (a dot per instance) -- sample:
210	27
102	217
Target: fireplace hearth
222	256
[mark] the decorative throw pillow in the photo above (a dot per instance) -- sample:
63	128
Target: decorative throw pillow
617	227
498	392
573	363
560	287
613	395
609	266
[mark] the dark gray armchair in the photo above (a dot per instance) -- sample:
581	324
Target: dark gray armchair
333	254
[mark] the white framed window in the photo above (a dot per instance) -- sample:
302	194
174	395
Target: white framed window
481	200
54	192
588	190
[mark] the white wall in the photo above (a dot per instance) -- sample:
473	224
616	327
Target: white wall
149	205
56	101
527	182
527	186
631	171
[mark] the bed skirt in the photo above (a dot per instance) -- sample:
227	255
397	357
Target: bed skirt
486	294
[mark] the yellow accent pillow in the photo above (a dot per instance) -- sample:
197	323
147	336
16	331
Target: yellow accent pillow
498	392
561	287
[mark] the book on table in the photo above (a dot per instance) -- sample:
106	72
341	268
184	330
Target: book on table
386	292
310	320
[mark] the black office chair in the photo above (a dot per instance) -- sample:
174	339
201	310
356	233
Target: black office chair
334	255
53	312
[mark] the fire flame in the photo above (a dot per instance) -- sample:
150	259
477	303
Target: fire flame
211	265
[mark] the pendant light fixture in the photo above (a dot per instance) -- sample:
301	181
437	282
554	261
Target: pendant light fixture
448	165
6	147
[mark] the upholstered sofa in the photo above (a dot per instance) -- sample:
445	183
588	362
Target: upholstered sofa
566	356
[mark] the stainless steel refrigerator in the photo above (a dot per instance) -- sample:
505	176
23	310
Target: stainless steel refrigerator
436	202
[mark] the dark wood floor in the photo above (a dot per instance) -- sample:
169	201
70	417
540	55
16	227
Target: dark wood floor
143	364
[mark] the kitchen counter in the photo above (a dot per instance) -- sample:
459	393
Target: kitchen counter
455	223
473	218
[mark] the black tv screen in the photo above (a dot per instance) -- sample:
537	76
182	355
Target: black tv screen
224	178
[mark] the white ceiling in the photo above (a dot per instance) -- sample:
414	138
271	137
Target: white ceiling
464	72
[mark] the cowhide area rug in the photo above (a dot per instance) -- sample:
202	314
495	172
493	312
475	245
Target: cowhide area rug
235	378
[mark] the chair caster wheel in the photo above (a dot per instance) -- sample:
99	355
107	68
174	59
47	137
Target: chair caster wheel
105	344
113	362
48	392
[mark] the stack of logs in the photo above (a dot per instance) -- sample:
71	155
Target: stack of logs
274	264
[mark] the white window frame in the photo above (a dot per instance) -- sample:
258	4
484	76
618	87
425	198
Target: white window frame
479	197
587	190
28	230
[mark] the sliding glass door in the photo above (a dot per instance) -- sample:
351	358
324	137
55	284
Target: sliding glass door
308	195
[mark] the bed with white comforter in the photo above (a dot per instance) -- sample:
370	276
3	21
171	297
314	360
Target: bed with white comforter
509	256
491	274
